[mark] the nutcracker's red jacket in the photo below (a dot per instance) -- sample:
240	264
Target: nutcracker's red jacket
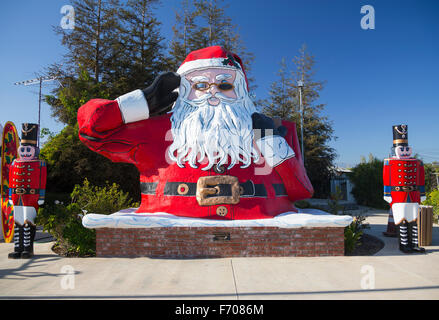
27	182
404	180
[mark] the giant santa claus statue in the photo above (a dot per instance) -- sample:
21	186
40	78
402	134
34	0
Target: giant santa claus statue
404	189
200	145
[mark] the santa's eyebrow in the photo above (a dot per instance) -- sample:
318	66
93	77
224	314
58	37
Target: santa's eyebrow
199	78
223	76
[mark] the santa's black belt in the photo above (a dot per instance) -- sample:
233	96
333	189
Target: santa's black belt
21	191
249	189
404	188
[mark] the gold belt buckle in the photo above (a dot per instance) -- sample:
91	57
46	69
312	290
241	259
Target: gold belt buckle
208	186
20	191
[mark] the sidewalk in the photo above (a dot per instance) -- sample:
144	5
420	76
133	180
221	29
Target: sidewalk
387	275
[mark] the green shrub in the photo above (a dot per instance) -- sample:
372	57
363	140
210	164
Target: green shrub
334	202
367	178
64	221
352	237
102	200
354	232
433	200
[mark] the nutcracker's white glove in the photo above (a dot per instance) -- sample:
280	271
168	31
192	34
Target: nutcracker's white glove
423	198
388	199
40	202
10	202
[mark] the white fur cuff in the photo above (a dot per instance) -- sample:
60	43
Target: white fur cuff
133	106
275	149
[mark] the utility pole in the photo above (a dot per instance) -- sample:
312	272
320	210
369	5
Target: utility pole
39	81
300	85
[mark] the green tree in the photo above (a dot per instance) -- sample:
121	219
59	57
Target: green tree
91	42
113	49
205	23
367	178
284	102
69	161
142	56
431	172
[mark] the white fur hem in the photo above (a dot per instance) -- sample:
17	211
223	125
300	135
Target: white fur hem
133	106
205	63
305	218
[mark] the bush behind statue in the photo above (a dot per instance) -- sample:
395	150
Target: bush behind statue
64	222
433	200
367	178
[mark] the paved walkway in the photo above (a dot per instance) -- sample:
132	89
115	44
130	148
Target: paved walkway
387	275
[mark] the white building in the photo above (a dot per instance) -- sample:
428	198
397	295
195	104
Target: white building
340	179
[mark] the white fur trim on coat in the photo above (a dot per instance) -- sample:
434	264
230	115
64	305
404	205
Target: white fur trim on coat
133	106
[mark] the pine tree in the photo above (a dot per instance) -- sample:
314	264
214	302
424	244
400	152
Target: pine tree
90	43
113	49
284	102
281	104
203	24
90	50
183	29
142	57
119	46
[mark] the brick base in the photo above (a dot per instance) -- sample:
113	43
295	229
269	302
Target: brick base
202	242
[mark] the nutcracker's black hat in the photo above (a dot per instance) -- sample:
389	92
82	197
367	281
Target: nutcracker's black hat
29	134
400	135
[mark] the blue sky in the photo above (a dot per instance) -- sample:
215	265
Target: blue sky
374	78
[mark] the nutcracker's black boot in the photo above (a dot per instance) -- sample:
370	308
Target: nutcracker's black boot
18	242
413	232
404	244
28	240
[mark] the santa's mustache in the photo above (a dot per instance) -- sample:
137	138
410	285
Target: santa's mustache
218	95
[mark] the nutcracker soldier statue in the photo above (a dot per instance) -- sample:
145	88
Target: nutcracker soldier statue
404	189
27	183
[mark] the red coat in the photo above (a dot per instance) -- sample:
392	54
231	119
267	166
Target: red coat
404	180
168	188
27	182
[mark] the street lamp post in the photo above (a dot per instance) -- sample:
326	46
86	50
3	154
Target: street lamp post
300	85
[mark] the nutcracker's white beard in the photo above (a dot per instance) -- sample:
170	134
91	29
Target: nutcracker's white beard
213	133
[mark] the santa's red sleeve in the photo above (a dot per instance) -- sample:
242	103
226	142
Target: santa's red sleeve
284	156
111	127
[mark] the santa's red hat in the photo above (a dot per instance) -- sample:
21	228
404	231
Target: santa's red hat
212	57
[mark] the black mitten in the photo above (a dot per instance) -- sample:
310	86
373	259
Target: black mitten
160	95
267	126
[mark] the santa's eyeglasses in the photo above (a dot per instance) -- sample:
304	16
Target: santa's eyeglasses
204	86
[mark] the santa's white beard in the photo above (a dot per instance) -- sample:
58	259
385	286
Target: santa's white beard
216	133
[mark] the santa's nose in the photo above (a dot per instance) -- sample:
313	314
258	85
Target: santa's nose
213	90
